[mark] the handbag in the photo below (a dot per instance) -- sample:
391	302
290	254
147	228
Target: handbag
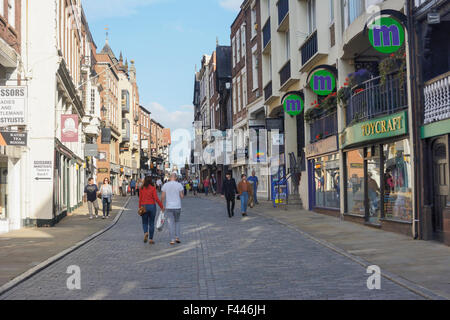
160	221
141	211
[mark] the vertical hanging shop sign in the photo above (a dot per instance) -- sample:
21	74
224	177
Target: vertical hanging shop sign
69	128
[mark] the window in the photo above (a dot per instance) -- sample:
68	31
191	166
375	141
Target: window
254	25
355	9
234	98
311	16
3	188
243	40
287	46
238	47
326	181
255	71
239	94
331	10
244	89
355	182
233	45
92	101
2	10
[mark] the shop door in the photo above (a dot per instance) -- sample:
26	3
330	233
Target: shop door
441	184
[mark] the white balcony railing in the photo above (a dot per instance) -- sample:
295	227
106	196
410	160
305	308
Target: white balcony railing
437	99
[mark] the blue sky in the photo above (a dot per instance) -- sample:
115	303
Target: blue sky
166	38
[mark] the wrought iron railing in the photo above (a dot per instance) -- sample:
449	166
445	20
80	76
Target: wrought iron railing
437	99
324	126
268	91
285	73
309	48
283	9
266	33
373	98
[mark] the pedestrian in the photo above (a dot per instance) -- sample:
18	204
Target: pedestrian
213	184
91	191
229	191
133	187
254	181
158	184
139	185
184	183
206	185
106	194
245	190
148	198
124	186
195	185
172	193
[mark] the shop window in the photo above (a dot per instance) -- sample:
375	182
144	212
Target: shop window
355	182
397	181
327	182
3	189
374	183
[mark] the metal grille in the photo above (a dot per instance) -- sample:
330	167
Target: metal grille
437	100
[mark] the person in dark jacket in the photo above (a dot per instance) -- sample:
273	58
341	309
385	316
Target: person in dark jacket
229	190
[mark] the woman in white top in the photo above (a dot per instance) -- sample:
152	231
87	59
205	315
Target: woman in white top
107	193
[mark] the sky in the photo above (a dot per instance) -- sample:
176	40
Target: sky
166	39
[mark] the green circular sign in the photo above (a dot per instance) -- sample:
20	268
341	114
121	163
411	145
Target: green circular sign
386	34
293	105
323	82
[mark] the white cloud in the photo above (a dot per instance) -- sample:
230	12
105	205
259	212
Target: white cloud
234	5
101	9
178	119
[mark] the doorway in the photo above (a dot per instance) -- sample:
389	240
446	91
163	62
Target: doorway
440	184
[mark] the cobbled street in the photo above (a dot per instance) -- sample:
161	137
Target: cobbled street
219	258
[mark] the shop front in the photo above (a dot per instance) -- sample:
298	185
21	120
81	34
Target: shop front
377	173
115	174
324	176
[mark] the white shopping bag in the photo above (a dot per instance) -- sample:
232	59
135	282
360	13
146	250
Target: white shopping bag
160	221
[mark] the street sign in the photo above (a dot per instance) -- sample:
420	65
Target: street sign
12	105
293	105
13	138
323	82
386	34
43	170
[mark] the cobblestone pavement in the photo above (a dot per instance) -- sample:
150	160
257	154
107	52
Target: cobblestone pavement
219	258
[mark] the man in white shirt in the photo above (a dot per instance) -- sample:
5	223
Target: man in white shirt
172	193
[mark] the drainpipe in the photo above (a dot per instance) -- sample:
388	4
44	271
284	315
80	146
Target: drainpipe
409	9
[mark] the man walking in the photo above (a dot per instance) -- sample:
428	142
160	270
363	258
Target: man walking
91	191
229	191
133	187
254	181
172	193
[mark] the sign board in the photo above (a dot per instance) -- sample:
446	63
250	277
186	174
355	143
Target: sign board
69	128
43	170
102	170
12	105
386	34
322	146
91	150
323	82
293	105
13	138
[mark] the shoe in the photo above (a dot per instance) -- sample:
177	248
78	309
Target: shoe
146	237
151	241
103	217
96	216
177	240
90	218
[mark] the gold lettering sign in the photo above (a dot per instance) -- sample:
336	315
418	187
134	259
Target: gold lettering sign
382	126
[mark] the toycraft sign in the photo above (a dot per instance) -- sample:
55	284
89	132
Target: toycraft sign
386	34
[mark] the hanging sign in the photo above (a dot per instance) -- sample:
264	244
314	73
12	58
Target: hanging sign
13	138
12	106
386	34
69	128
322	82
293	105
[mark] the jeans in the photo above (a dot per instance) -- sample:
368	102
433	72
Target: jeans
231	202
93	205
173	218
148	219
206	191
244	202
106	206
255	194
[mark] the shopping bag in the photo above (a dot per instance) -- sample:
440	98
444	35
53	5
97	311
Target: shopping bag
160	221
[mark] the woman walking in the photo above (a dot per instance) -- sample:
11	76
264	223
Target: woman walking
148	199
245	190
107	193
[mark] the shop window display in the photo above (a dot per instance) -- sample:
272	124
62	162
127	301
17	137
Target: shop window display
397	181
355	182
373	184
327	181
